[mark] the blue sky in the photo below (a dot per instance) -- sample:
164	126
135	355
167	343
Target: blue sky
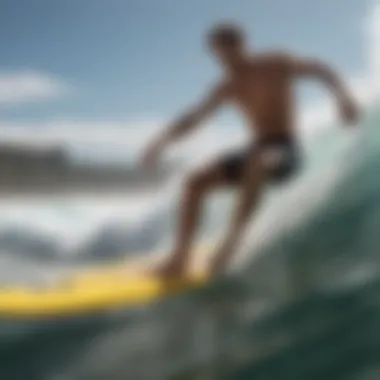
132	59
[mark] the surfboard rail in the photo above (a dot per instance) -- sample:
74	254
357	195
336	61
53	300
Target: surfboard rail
89	296
96	290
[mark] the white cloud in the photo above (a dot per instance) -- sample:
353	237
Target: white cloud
29	86
78	132
130	136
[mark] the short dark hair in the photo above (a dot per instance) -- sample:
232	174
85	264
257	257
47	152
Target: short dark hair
226	34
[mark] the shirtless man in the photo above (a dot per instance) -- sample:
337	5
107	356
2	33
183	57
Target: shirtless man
261	86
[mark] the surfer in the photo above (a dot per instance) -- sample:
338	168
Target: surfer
260	85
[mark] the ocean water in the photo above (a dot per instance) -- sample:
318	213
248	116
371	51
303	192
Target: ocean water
301	299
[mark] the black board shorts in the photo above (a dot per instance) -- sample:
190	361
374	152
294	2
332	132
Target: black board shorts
280	155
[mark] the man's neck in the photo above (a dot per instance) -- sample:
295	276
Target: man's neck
237	65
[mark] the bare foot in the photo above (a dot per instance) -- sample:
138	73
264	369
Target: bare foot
173	268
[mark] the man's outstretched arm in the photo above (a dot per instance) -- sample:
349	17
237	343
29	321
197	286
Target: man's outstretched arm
312	68
187	123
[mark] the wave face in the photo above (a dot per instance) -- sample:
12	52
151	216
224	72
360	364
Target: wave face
302	299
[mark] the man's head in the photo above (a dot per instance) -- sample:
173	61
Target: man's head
227	42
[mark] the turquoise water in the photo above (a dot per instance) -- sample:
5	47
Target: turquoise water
304	302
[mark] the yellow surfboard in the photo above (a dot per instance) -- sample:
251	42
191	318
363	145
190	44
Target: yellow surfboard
122	285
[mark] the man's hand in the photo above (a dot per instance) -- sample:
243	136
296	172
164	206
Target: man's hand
185	124
349	110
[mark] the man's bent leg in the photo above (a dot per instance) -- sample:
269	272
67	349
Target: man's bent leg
251	186
196	189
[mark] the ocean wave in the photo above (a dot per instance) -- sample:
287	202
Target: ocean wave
307	283
307	288
93	230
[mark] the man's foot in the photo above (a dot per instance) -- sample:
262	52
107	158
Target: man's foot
173	268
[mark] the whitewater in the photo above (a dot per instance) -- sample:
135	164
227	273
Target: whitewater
300	299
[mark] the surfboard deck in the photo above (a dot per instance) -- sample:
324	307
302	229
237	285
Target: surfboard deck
124	285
